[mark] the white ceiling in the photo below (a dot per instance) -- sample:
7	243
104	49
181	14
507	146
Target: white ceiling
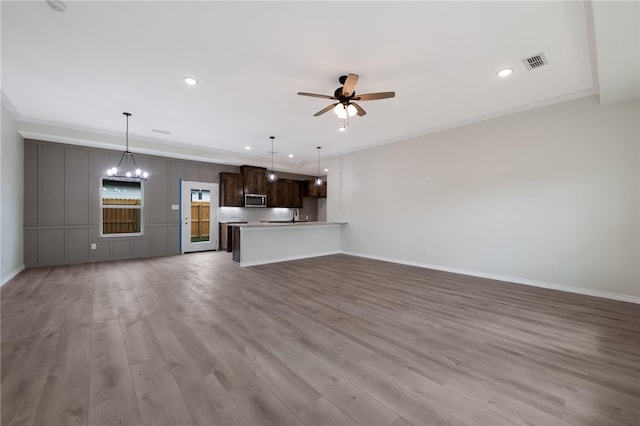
70	75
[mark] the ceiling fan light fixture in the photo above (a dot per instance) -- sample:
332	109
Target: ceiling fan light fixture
342	129
344	108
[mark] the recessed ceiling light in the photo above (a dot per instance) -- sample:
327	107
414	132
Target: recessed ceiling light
248	148
290	155
326	170
190	81
342	129
505	72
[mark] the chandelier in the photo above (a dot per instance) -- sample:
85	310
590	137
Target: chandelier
127	166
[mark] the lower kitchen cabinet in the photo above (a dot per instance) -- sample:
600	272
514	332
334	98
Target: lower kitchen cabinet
235	243
226	235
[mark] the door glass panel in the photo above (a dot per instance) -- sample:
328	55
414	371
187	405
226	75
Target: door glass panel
200	215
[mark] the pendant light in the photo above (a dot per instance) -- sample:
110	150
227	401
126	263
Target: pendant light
318	181
127	167
271	174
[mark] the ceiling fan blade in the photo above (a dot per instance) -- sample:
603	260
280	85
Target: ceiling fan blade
349	85
314	95
361	111
374	96
323	110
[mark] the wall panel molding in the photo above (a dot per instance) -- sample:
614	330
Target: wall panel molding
62	204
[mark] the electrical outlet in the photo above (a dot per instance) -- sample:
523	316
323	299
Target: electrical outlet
93	246
554	265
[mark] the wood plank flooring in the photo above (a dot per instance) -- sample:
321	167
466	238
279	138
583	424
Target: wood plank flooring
336	340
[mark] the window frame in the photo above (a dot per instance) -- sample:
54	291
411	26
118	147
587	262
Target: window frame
116	206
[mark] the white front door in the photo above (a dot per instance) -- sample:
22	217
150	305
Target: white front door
199	211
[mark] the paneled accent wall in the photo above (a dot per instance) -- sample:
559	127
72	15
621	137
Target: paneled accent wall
62	204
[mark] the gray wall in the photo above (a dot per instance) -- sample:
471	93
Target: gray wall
509	198
62	205
12	189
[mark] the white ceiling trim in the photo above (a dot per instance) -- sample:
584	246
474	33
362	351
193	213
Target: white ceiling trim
74	135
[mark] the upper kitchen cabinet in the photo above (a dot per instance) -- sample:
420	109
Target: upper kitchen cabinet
313	190
231	190
255	181
295	193
322	190
272	194
284	193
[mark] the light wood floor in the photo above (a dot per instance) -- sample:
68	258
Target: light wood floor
336	340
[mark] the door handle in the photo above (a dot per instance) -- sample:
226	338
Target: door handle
186	220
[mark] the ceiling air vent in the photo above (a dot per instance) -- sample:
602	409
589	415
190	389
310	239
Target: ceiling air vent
535	61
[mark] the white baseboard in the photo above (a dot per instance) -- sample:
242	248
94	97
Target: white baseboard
515	280
11	274
285	259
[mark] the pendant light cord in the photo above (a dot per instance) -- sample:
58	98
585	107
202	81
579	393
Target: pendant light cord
127	114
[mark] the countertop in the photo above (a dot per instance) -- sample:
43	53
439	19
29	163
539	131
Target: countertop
271	225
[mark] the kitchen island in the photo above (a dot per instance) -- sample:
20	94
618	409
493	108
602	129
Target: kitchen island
260	243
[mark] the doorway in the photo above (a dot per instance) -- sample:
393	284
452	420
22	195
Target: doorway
199	209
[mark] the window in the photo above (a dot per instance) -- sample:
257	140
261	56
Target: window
121	204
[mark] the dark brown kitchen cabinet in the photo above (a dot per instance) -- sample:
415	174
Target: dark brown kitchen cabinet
272	197
226	235
235	243
295	193
322	190
255	181
284	193
231	190
313	190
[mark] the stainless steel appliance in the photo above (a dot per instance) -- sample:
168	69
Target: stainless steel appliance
255	200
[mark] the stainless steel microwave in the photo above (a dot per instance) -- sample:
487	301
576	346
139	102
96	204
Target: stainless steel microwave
255	200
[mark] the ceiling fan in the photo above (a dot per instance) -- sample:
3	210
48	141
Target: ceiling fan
346	95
